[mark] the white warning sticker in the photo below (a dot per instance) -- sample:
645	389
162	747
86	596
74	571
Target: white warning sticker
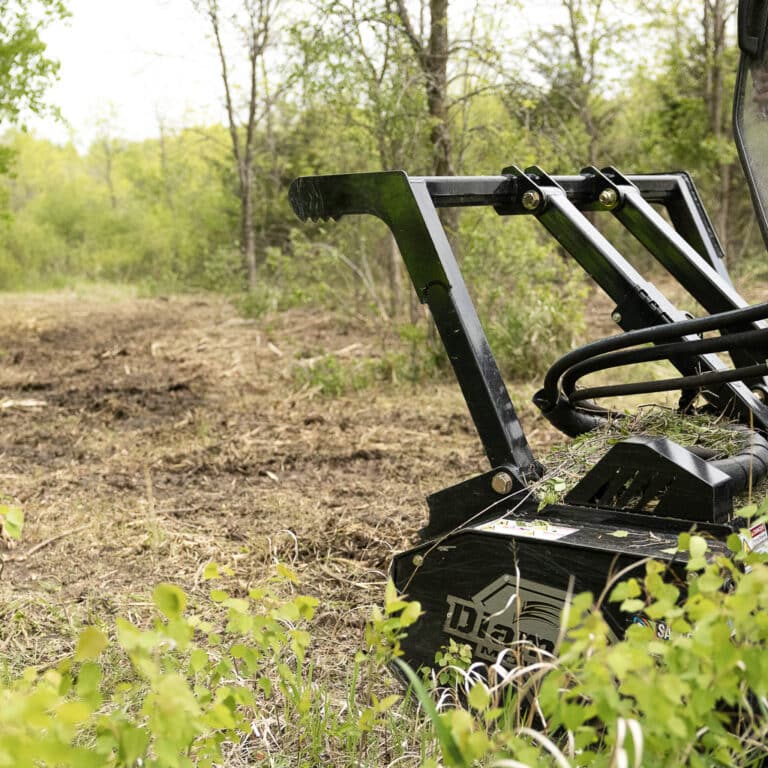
755	539
529	529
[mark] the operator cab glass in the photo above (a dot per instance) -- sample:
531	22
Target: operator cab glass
750	105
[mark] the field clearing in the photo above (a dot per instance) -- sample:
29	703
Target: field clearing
145	438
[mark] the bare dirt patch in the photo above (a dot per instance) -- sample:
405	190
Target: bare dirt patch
146	437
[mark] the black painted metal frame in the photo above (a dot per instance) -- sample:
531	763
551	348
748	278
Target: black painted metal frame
688	248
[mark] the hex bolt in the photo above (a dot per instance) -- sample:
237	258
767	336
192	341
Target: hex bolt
531	199
608	198
759	394
502	483
616	316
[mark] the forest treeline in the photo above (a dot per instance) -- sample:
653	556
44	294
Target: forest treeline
360	85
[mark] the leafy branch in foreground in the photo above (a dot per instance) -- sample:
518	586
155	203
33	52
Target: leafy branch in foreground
687	686
192	690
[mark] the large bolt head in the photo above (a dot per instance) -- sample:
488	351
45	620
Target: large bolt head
502	483
608	198
531	199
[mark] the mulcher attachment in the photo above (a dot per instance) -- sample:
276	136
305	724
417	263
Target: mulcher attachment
495	567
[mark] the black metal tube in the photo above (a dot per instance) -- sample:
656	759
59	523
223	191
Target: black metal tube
671	331
668	385
743	340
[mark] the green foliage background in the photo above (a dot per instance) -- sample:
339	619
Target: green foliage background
164	213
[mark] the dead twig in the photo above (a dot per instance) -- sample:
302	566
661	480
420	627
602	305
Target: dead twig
42	545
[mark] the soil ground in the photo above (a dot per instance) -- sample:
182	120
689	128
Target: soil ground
146	437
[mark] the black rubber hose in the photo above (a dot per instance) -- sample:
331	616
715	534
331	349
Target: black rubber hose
657	333
666	385
573	421
743	340
748	466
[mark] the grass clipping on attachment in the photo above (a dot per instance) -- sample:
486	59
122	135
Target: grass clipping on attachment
568	462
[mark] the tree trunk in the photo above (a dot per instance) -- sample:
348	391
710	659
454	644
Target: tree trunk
714	23
258	25
248	224
437	103
433	61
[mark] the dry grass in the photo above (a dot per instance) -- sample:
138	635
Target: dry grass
168	433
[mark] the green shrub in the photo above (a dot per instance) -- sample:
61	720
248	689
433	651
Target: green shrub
194	686
530	300
333	376
259	301
191	689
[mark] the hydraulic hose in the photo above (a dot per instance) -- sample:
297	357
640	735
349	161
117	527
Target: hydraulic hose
572	411
667	385
747	466
743	340
547	397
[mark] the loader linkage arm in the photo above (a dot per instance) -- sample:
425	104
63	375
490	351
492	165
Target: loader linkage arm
689	250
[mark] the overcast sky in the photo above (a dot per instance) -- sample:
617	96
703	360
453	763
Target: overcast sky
130	63
127	64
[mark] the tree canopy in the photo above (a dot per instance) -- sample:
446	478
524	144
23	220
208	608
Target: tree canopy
25	69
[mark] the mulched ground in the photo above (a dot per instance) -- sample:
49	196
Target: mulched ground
146	437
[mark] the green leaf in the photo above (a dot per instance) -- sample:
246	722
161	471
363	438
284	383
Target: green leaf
749	511
73	712
632	606
211	571
709	581
698	547
410	614
90	644
287	611
266	685
237	604
387	702
306	606
133	743
88	679
11	520
170	600
479	698
625	590
198	660
286	573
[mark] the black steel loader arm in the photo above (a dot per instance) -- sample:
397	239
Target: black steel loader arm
405	205
688	250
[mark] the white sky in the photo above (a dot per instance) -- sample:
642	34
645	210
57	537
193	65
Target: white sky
125	64
128	63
